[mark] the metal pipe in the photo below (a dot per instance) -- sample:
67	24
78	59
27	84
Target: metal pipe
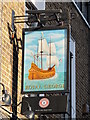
21	22
71	56
21	16
42	11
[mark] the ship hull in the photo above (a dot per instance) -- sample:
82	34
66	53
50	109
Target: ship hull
37	73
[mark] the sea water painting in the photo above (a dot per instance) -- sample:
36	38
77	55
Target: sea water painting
45	60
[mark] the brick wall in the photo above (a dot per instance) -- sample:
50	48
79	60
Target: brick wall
0	43
80	32
7	50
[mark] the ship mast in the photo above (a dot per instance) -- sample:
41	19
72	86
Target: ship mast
50	54
41	52
34	58
37	54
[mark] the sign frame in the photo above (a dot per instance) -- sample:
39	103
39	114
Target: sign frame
23	41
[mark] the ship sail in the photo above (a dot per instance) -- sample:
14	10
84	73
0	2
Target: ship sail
54	61
48	51
52	47
45	47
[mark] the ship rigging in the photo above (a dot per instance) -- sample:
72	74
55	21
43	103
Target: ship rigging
48	50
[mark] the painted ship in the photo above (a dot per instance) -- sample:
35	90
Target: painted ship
47	50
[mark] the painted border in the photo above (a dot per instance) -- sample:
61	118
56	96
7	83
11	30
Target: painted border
46	28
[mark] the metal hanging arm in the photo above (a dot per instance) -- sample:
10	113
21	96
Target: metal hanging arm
42	11
40	16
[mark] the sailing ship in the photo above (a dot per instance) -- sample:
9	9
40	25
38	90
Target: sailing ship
47	50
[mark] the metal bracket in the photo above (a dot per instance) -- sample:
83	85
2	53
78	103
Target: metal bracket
40	16
13	37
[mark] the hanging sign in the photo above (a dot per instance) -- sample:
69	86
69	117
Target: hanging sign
45	60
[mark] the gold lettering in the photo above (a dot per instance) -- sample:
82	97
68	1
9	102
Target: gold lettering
56	85
63	85
39	86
